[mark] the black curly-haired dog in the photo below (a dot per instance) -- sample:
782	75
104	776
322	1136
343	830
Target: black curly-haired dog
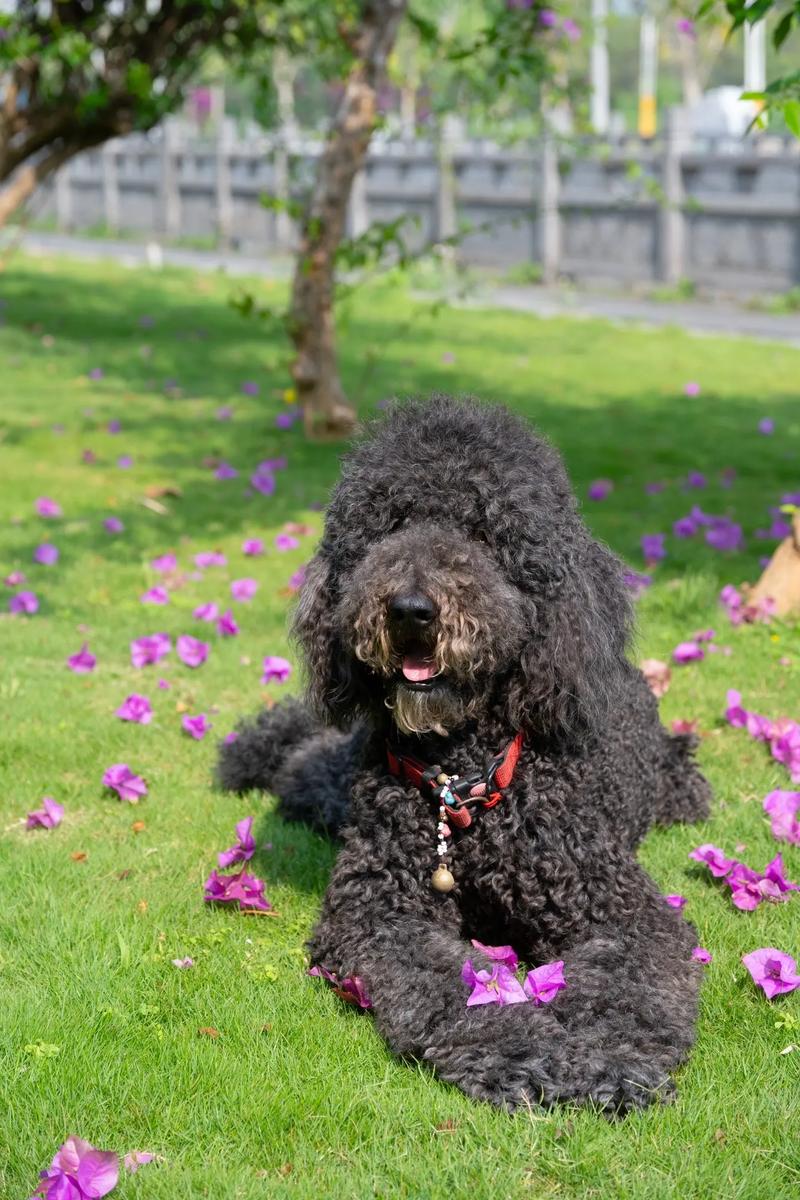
455	601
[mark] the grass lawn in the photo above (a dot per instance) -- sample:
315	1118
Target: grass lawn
297	1095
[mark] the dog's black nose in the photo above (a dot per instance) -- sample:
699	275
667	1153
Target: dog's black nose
414	608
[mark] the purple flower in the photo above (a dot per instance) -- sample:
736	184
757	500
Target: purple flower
544	983
297	578
653	547
657	674
498	986
253	547
14	579
571	29
244	589
140	1158
24	602
692	388
46	554
47	817
191	652
263	481
547	17
245	890
600	489
164	564
121	779
685	527
285	541
685	26
713	858
700	954
695	479
182	964
135	708
285	420
636	582
772	970
773	873
96	373
351	989
225	413
164	685
243	848
784	811
113	525
250	387
724	534
225	471
209	558
652	489
124	462
114	426
46	507
150	649
276	669
686	652
79	1172
83	662
206	612
675	901
155	595
506	955
197	727
227	625
766	426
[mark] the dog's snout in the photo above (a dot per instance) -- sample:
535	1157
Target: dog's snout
412	608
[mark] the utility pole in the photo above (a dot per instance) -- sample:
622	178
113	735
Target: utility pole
755	56
648	73
599	67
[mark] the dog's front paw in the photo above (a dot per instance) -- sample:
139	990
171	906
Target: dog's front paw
625	1086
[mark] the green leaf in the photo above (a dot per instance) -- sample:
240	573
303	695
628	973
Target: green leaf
791	115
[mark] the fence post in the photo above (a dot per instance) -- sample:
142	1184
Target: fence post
64	198
110	187
672	219
222	184
550	215
170	192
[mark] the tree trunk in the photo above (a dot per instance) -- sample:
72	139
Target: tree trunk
326	411
23	183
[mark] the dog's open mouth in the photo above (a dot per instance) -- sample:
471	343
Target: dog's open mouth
418	671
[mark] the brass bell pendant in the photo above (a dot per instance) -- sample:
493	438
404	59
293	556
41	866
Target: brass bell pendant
442	879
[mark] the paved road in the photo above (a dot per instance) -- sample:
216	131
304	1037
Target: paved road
724	320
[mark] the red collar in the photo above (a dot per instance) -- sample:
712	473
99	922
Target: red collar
458	792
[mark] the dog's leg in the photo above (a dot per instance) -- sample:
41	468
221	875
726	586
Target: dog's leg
262	744
624	1021
683	793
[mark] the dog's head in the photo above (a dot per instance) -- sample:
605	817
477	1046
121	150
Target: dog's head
455	579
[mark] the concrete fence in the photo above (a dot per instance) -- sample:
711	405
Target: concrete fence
723	214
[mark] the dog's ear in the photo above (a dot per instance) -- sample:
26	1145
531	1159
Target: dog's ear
573	667
327	664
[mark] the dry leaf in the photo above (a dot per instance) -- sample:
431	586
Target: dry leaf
142	906
157	491
138	827
285	1169
448	1126
208	1031
720	1136
79	856
155	506
124	874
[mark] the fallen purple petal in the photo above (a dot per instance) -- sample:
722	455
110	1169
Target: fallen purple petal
227	625
700	954
600	489
46	554
243	848
653	547
155	595
686	652
191	651
498	986
24	602
164	564
121	779
150	649
197	727
135	708
83	662
544	983
46	507
675	901
140	1158
79	1171
47	817
501	954
253	547
244	589
113	525
245	890
210	558
772	970
784	812
276	669
713	858
285	541
206	612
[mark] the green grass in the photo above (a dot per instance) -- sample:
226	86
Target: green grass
298	1096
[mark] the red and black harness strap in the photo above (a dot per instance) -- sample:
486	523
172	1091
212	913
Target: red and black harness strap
458	793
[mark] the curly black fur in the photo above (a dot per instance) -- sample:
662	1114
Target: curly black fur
463	504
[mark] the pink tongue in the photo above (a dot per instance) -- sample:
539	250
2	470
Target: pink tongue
418	669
